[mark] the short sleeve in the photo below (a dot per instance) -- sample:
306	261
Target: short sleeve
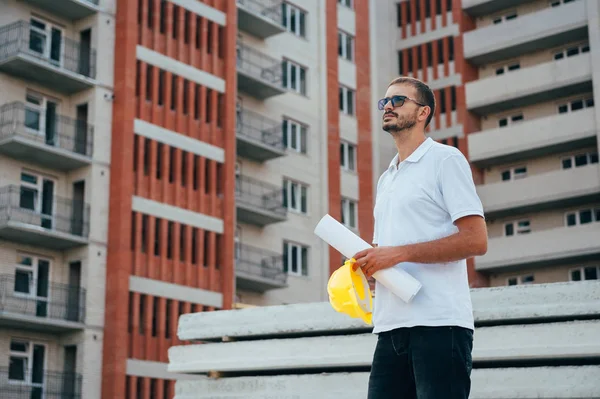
458	188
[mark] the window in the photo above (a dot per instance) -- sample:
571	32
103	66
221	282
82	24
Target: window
517	280
556	3
32	276
506	17
46	40
41	116
572	51
508	68
576	105
26	365
505	121
37	194
349	213
295	196
514	173
295	259
294	136
348	156
294	77
346	100
347	3
517	227
578	160
585	273
345	46
582	216
293	19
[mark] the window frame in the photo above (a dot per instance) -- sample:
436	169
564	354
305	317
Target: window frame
288	260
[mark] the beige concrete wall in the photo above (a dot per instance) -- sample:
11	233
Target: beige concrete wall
549	274
523	9
538	221
529	59
535	166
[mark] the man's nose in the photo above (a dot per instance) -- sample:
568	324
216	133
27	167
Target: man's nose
388	106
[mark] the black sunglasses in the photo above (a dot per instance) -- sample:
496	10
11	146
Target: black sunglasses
397	101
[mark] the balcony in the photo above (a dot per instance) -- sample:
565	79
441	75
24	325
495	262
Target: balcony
478	8
258	203
51	60
543	248
258	269
49	222
260	18
528	86
70	9
534	138
44	138
557	189
258	138
258	74
39	383
55	308
529	33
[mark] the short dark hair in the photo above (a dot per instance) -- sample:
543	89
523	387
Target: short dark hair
424	93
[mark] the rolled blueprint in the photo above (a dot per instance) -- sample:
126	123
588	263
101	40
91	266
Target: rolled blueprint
348	244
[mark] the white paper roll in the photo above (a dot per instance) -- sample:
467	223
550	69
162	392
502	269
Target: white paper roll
348	244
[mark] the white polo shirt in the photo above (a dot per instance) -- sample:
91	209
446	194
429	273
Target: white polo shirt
418	201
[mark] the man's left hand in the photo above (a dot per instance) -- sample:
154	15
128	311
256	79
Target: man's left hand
374	259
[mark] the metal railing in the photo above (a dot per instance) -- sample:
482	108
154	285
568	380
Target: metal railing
258	127
73	135
259	262
267	8
258	65
21	38
61	214
15	382
253	192
58	301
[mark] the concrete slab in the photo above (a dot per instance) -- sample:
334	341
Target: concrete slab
568	340
499	305
510	383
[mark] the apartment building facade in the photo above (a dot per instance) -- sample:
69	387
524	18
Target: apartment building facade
301	128
516	83
56	80
227	149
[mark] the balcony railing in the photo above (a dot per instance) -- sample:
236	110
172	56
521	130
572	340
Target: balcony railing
59	131
258	65
260	263
17	382
55	214
267	8
58	301
21	38
255	193
260	128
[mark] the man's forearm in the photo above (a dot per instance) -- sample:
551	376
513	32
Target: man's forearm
456	247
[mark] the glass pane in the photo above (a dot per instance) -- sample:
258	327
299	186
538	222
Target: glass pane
509	229
342	155
284	14
302	25
294	137
303	139
527	280
302	81
17	369
594	157
351	157
293	20
284	132
576	275
285	193
56	44
285	257
512	281
25	260
581	160
28	198
506	175
303	200
591	273
340	44
293	195
350	103
585	216
571	219
293	77
37	41
27	178
567	163
352	213
349	48
304	261
576	105
294	259
23	280
32	119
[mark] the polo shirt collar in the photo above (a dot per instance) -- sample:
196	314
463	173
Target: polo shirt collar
417	154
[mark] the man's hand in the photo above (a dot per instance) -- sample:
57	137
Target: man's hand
374	259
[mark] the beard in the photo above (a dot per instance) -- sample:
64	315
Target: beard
400	124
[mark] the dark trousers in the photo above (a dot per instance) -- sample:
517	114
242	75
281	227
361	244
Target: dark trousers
422	363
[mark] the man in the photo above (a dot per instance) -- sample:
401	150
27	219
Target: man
428	221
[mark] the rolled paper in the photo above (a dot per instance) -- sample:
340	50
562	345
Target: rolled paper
348	244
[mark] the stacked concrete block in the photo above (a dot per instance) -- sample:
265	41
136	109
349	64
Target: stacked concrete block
537	341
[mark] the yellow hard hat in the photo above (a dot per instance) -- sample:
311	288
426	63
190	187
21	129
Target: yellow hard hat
349	292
